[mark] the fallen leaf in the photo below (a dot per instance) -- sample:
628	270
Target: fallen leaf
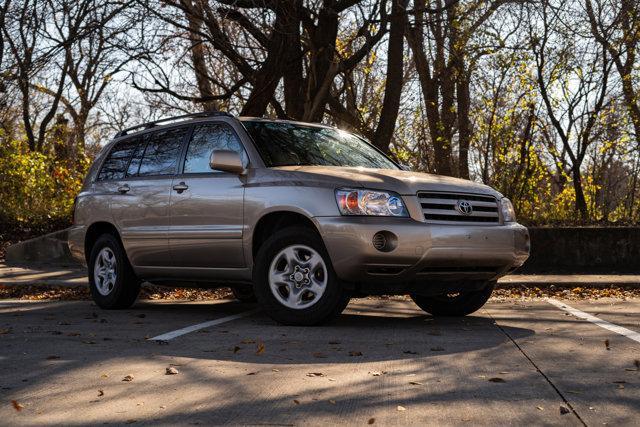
333	402
297	402
260	348
252	373
355	353
88	342
497	380
128	378
437	349
377	373
564	410
18	407
275	370
401	408
315	374
606	344
53	357
5	331
100	393
236	349
163	407
171	371
319	355
371	421
247	342
104	376
410	352
539	408
415	383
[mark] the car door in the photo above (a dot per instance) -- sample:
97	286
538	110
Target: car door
140	205
206	205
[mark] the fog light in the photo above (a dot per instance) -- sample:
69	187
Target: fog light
379	241
385	241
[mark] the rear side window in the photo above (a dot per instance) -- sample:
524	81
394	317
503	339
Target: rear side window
207	138
162	152
115	165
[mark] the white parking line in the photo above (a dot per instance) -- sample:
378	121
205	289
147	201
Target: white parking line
174	334
596	320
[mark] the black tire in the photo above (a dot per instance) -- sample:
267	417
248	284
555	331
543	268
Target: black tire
126	287
331	303
244	294
461	304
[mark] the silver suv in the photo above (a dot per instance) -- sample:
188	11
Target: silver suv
298	216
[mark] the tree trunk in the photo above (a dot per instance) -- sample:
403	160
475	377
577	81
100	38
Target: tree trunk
198	58
265	80
393	84
464	123
581	203
293	80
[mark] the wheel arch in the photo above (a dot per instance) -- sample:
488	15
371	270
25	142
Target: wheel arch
273	221
96	230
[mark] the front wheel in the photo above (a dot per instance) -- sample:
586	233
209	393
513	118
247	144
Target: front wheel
294	281
112	281
456	304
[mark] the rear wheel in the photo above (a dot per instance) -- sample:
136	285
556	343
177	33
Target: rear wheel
454	304
112	281
294	281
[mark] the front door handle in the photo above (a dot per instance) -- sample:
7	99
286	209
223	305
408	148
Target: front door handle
180	187
123	189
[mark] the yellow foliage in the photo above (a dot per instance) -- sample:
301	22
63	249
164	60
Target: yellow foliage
35	188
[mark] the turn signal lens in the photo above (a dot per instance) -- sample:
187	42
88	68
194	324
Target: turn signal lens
508	213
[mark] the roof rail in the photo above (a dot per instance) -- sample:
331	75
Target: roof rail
149	125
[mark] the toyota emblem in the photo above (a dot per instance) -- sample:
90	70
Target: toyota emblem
464	207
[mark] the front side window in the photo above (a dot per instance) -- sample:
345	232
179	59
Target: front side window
114	166
207	138
292	144
162	152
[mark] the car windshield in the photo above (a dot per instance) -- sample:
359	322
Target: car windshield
288	144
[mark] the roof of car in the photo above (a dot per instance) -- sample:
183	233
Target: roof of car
186	118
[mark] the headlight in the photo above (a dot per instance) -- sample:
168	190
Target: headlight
508	213
370	202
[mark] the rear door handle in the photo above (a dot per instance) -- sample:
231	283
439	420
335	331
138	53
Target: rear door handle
124	189
180	187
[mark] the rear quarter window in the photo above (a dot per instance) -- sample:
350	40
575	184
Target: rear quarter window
117	161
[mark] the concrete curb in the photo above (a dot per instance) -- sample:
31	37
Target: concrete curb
50	249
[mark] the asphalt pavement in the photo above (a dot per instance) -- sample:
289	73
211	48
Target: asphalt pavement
382	362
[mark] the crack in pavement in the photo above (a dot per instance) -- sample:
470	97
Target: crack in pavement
557	390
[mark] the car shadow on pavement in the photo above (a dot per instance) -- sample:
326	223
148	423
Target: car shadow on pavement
377	354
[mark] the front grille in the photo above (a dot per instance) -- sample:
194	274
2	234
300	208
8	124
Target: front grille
444	208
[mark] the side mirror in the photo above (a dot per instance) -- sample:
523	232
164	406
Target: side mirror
226	161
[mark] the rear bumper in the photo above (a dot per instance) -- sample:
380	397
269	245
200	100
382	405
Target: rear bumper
76	243
423	253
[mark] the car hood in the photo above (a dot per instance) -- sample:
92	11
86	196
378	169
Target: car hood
402	182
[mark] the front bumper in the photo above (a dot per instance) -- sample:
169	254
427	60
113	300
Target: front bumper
424	252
